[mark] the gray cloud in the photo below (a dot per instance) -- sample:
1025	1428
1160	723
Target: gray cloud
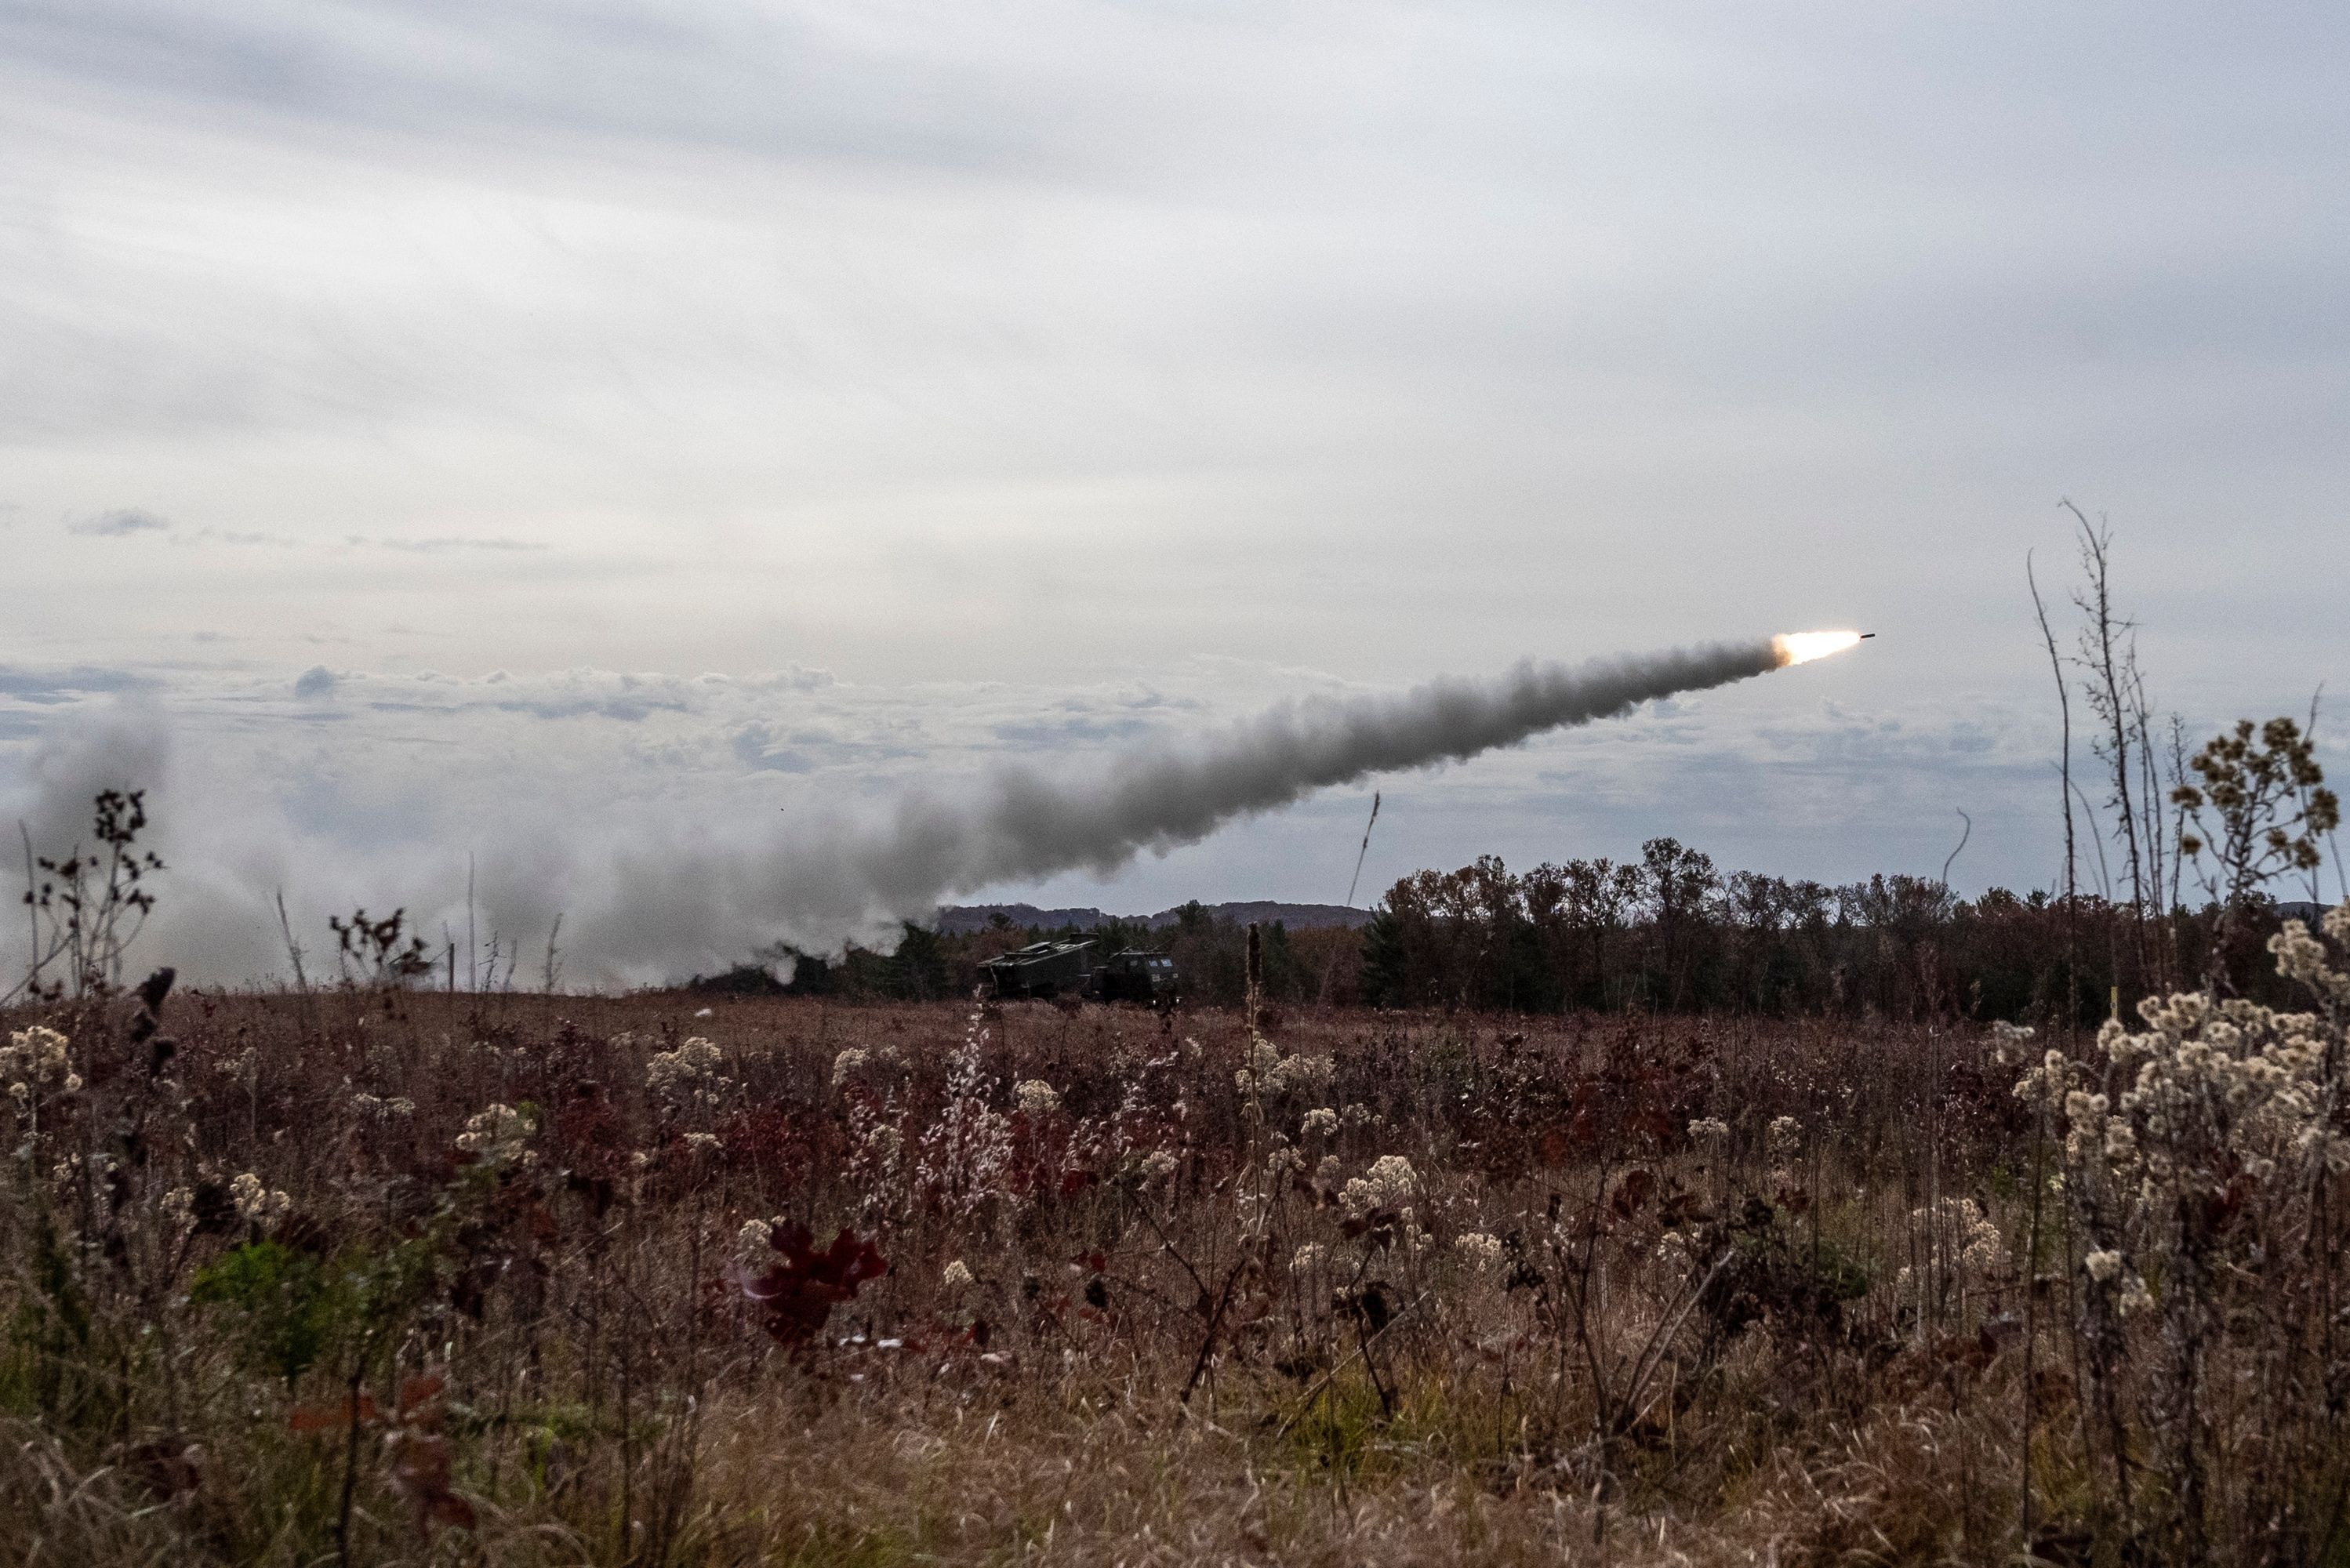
669	847
440	545
696	73
758	746
120	523
1060	731
122	745
56	685
443	543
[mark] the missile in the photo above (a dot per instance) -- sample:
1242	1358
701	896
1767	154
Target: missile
1867	635
1803	647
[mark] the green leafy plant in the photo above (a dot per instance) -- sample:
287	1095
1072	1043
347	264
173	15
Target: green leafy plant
291	1307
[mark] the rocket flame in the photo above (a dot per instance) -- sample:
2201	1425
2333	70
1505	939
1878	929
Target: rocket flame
1803	647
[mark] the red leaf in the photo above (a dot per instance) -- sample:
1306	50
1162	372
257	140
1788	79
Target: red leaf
1632	1192
332	1418
422	1465
417	1392
797	1293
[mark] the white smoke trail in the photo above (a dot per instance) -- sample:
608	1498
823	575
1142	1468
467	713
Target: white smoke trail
820	883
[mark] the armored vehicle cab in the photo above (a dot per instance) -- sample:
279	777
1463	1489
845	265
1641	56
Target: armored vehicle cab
1134	975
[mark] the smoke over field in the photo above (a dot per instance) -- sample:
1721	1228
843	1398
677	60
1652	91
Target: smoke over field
815	883
664	854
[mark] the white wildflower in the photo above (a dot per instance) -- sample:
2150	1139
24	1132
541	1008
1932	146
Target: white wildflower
497	1135
848	1063
963	1158
2009	1041
2103	1266
1322	1122
1966	1236
1267	1072
255	1199
1983	1250
2082	1108
1036	1097
957	1276
688	1073
1388	1184
1303	1072
1482	1251
1307	1258
1393	1176
36	1058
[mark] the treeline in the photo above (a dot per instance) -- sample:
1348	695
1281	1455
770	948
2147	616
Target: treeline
1670	933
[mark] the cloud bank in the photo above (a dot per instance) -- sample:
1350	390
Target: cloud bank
680	823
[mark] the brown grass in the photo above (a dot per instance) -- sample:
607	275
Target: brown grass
1681	1350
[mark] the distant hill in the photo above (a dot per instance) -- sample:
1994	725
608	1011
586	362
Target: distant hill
958	920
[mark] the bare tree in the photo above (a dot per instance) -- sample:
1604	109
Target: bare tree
553	975
2115	688
2065	767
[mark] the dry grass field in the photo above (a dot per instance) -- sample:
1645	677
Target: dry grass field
382	1276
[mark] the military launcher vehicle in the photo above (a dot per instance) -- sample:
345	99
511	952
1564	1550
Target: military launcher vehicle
1041	969
1054	969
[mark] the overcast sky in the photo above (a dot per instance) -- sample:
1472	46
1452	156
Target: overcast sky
539	430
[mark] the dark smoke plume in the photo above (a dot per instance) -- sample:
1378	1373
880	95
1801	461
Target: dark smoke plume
815	886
